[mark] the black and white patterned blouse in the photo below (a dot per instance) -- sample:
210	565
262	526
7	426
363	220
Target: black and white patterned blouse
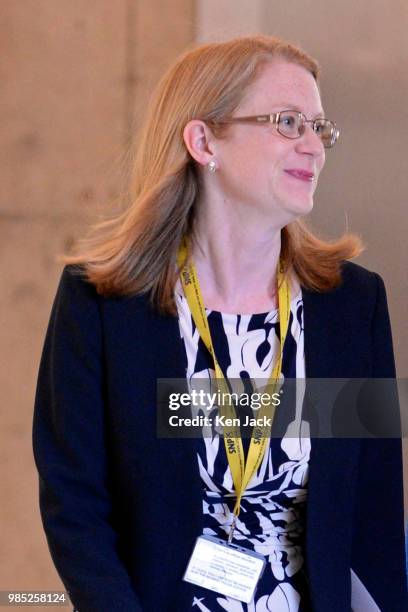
271	521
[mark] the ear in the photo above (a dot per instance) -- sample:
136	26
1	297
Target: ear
199	141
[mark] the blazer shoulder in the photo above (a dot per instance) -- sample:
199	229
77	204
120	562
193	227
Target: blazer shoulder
74	281
74	285
359	283
355	275
356	297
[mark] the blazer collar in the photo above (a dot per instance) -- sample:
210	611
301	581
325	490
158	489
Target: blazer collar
319	358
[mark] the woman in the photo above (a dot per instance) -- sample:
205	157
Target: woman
227	165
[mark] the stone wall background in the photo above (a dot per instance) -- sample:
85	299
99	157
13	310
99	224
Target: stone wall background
76	79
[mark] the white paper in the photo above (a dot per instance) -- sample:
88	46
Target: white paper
225	570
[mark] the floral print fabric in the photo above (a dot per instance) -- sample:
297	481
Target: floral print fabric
272	517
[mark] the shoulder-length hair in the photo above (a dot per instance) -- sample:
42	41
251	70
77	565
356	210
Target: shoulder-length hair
135	252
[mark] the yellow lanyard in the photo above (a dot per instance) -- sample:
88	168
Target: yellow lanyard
241	471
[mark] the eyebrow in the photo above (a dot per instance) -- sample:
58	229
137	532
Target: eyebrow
287	106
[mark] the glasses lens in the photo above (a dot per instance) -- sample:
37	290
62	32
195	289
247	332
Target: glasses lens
290	124
326	131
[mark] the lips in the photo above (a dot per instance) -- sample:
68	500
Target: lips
302	175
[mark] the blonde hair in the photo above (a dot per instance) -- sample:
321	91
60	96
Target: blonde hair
135	251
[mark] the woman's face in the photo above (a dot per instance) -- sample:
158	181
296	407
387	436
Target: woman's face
259	168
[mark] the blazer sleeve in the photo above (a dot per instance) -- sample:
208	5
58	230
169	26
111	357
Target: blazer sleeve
378	554
71	456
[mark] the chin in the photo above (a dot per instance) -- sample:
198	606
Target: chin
300	208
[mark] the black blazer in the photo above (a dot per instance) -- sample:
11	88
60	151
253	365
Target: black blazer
121	508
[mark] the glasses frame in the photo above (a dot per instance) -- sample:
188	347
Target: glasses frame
273	118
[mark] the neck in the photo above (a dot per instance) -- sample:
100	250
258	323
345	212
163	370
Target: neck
236	262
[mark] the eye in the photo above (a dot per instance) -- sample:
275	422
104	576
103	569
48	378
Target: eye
321	126
287	121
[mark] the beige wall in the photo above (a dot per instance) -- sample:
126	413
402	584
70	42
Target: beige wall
76	77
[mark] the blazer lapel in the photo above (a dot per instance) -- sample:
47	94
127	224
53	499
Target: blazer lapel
171	362
333	464
320	341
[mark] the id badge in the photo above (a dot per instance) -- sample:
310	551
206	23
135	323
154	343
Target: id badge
227	569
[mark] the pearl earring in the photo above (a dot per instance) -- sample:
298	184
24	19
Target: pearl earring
212	167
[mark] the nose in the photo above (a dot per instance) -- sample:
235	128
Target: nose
310	143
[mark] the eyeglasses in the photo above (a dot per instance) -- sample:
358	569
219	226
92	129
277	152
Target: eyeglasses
292	124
